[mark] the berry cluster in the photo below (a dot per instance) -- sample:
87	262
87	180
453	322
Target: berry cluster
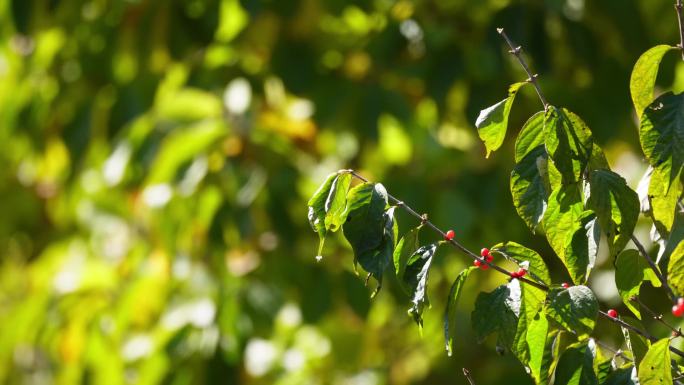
678	309
487	256
518	274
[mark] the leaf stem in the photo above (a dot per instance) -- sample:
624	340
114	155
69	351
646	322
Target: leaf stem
639	332
654	267
531	78
678	7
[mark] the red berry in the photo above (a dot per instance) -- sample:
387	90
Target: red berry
489	257
680	301
521	273
449	235
612	313
565	285
477	263
677	310
514	274
484	266
484	252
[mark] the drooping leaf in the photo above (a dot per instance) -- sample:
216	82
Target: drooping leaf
616	206
415	278
568	141
561	222
654	369
631	270
581	247
525	257
450	312
644	75
675	270
635	342
317	209
493	121
365	228
529	186
662	135
576	366
575	309
497	311
336	202
407	246
663	198
530	137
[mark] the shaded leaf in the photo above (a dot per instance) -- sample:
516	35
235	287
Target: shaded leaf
654	369
576	366
644	74
616	206
568	141
527	258
497	311
581	247
493	121
623	376
636	343
575	309
407	245
450	312
415	278
630	272
529	186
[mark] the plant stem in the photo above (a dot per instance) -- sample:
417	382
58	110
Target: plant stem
532	78
678	7
654	267
466	373
424	220
657	317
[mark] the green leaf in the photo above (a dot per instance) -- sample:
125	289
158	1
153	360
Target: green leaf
576	366
644	75
568	141
527	258
336	202
450	312
675	270
317	209
636	343
493	121
561	222
406	247
416	278
497	311
540	342
581	247
630	271
529	186
616	206
663	197
530	137
531	301
575	309
623	376
662	136
655	367
366	228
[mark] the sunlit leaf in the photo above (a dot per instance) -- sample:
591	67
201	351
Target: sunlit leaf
336	202
654	369
529	188
530	137
631	270
568	141
644	74
492	122
675	270
407	246
525	257
450	311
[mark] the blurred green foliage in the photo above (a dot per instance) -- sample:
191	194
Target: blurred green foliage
156	158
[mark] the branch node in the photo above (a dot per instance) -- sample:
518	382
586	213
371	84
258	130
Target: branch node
424	219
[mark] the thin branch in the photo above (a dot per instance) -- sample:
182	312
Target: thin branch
532	78
616	352
678	7
424	220
654	267
658	317
466	373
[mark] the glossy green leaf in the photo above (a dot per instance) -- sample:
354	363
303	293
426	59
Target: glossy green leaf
675	270
492	122
317	209
575	309
450	312
644	75
415	278
531	301
662	136
530	137
631	270
561	223
407	246
336	203
616	206
663	197
497	311
568	141
530	188
365	228
655	367
527	258
576	366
